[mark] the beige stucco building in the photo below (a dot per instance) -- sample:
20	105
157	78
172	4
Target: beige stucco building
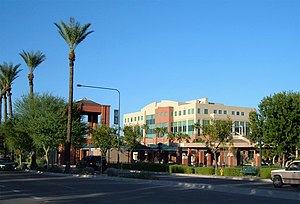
181	117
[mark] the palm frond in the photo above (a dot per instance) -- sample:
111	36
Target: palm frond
33	59
73	33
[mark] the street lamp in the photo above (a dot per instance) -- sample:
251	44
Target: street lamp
260	152
119	129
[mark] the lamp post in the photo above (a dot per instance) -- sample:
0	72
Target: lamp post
260	152
119	129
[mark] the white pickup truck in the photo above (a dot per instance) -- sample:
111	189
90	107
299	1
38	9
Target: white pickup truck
289	175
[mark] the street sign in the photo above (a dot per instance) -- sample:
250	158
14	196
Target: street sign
116	117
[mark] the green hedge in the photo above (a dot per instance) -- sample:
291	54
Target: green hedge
237	171
142	166
205	170
265	173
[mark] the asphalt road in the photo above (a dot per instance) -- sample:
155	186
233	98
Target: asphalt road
25	187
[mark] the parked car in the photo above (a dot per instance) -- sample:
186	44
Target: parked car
289	175
6	164
93	162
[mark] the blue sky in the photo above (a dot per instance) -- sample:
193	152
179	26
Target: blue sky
230	51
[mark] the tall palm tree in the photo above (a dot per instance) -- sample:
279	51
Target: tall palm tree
1	95
73	34
32	59
9	73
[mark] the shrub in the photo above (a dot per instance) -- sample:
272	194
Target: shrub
141	166
176	168
205	170
188	170
266	172
237	171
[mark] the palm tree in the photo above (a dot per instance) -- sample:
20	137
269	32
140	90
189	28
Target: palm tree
145	128
9	74
1	95
73	34
181	136
171	137
157	132
32	59
163	131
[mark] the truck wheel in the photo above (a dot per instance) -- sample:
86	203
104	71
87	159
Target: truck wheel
277	182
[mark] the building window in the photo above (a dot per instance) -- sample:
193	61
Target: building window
175	113
242	113
205	111
192	110
179	113
189	111
205	122
125	120
215	111
134	118
184	126
232	113
142	117
179	126
138	118
220	112
237	113
184	112
199	110
131	119
225	112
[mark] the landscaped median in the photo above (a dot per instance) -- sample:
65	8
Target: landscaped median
264	173
143	170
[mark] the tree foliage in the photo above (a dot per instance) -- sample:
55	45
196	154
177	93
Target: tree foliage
277	121
216	133
132	137
105	138
44	118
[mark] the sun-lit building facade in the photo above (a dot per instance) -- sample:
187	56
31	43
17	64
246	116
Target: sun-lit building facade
181	116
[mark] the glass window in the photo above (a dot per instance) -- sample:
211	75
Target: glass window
225	112
134	118
232	113
138	118
237	113
215	111
175	113
192	110
220	112
179	112
199	110
242	113
125	120
184	112
142	118
205	111
205	122
189	111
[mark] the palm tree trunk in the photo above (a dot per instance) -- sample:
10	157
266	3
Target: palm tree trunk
69	124
9	103
5	108
30	78
1	97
